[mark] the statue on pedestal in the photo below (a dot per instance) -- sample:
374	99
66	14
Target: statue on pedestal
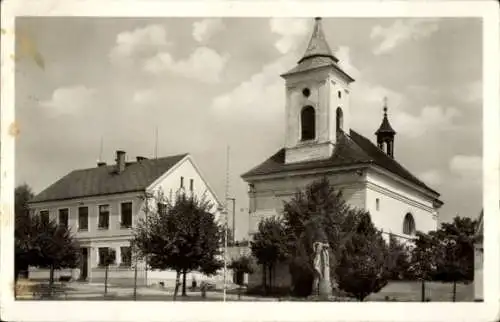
322	285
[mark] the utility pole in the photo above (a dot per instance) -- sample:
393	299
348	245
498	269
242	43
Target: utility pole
234	219
156	142
225	223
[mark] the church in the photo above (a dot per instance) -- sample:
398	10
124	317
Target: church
320	142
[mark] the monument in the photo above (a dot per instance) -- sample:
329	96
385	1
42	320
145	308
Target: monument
322	285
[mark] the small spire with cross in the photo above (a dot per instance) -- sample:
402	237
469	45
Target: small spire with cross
385	134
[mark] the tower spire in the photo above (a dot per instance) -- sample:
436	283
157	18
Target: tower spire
385	134
318	46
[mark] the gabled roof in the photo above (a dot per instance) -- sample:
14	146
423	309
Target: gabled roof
104	180
353	149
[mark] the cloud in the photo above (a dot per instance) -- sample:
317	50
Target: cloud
472	92
431	118
205	29
467	168
69	100
262	95
344	55
138	43
204	64
401	31
431	177
144	96
291	30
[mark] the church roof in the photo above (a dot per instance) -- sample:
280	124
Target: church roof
353	149
104	180
318	54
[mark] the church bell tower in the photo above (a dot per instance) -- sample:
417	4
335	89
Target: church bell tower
385	134
317	102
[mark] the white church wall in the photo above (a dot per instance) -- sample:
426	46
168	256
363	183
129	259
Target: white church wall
269	195
394	202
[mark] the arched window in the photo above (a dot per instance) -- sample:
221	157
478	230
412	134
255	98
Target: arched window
409	225
340	119
308	123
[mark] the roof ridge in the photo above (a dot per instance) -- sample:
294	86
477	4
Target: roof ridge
97	180
132	162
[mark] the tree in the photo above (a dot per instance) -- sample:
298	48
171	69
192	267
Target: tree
317	212
455	262
182	236
241	266
270	247
424	257
52	246
108	258
39	243
446	254
362	266
398	259
22	230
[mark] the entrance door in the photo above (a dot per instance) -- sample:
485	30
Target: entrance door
84	263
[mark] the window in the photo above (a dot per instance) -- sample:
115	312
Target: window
44	217
377	204
162	208
107	256
339	93
63	217
83	218
409	225
191	184
340	119
306	92
103	217
308	123
182	182
126	215
126	256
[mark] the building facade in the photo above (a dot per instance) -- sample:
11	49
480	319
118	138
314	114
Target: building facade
321	143
479	260
102	205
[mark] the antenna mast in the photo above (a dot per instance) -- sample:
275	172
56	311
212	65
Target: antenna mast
100	150
156	142
225	222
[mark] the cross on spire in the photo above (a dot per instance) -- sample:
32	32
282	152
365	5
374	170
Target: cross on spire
385	105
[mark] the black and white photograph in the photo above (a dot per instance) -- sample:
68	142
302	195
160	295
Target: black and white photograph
327	156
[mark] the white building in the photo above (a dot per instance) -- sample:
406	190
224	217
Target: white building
320	142
102	205
478	260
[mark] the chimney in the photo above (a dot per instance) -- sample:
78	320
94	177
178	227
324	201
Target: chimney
101	164
139	158
120	161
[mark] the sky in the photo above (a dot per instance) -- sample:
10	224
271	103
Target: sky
209	83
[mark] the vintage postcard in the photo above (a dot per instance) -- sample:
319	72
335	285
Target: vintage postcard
271	161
